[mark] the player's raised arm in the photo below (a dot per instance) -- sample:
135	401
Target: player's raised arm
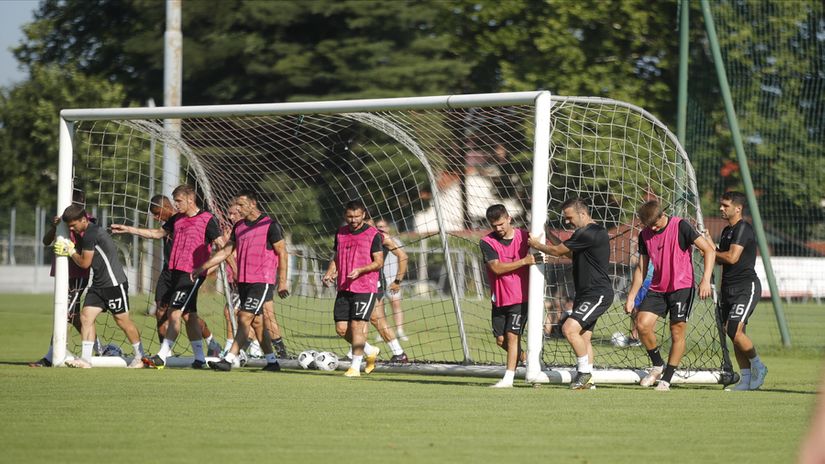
218	257
140	232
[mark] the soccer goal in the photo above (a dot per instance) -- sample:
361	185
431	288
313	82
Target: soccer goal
429	167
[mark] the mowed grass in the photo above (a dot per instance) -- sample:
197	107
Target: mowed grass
180	415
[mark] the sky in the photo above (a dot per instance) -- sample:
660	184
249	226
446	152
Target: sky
13	14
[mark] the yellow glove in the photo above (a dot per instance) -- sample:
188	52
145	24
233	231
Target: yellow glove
63	247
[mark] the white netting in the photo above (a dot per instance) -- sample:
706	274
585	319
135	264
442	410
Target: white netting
304	167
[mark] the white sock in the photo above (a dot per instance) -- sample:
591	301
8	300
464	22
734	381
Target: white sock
197	349
756	360
356	362
86	350
583	364
509	376
270	358
368	349
229	342
229	357
49	354
395	347
166	348
138	347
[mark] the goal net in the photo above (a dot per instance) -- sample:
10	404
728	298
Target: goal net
428	167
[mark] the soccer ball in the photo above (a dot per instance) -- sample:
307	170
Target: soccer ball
326	361
307	359
254	350
112	350
618	339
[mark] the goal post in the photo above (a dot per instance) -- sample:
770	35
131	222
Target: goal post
429	166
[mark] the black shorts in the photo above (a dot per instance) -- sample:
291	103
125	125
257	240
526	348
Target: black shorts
253	296
588	308
354	306
164	290
185	293
737	302
76	287
509	319
112	299
678	304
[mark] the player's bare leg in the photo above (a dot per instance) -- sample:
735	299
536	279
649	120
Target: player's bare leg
645	325
161	313
88	315
195	335
510	342
379	321
130	329
275	332
398	317
579	340
677	350
356	332
752	370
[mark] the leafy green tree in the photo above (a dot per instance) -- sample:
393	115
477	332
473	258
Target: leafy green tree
29	114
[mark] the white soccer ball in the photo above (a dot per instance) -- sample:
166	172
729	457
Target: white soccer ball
618	339
112	350
254	350
326	361
307	359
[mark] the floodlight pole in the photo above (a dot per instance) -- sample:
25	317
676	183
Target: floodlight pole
761	240
172	90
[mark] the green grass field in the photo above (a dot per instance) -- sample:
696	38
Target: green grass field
180	415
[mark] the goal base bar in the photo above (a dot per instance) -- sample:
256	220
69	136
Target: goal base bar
559	375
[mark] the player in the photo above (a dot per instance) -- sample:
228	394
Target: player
378	319
259	243
356	260
668	243
78	281
194	232
507	256
161	208
589	247
741	289
234	214
109	288
395	264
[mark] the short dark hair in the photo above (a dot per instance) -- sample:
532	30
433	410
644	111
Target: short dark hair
158	201
249	194
184	189
73	212
577	203
649	212
737	198
355	205
496	212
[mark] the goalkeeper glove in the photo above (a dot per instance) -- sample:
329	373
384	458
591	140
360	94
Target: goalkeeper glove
63	247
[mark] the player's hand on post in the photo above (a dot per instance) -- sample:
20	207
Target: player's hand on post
119	228
63	247
196	273
533	241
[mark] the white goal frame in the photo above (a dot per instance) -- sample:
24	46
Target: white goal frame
542	101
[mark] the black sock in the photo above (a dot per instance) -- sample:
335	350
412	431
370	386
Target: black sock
668	374
655	357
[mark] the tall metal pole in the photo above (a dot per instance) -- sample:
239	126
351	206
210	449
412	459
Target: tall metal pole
684	42
746	173
172	90
535	291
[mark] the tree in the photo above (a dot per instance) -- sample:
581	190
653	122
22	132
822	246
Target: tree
248	51
29	114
